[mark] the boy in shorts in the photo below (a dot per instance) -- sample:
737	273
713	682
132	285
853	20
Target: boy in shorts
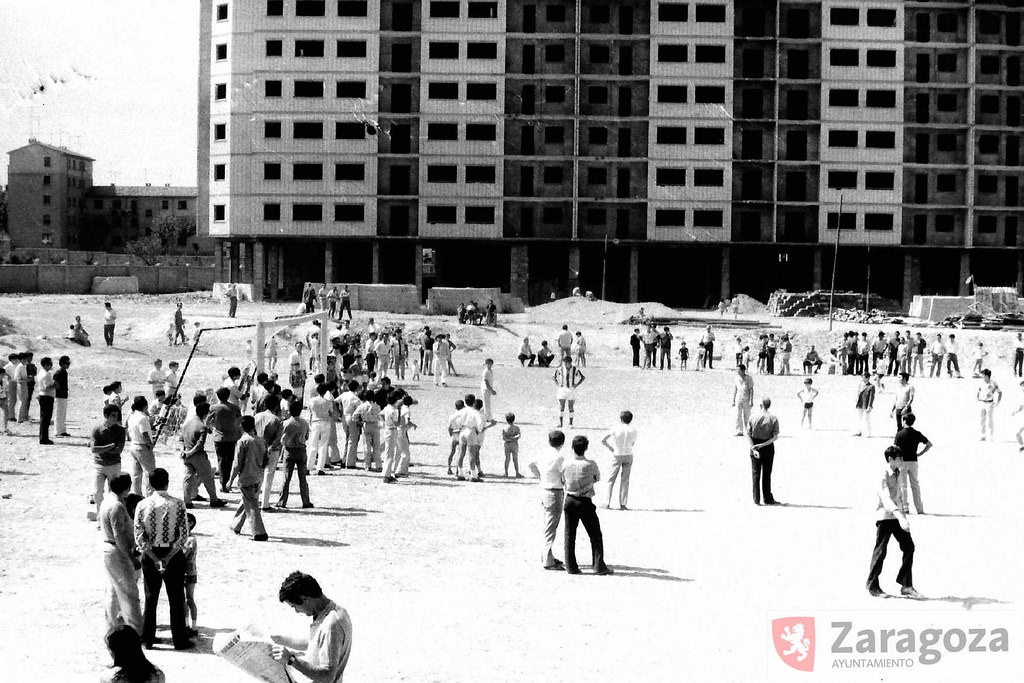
807	396
454	427
190	550
510	436
684	354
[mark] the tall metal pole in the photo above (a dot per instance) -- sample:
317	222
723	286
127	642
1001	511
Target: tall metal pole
835	260
604	269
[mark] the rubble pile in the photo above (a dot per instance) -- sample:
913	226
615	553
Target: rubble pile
805	304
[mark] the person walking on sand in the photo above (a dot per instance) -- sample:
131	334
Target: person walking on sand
232	295
865	404
806	397
442	353
179	326
140	435
891	521
623	441
579	476
294	434
250	459
742	398
195	459
547	467
989	397
109	321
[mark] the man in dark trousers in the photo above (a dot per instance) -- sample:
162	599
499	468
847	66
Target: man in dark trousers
579	476
225	421
891	521
763	431
161	530
46	397
634	342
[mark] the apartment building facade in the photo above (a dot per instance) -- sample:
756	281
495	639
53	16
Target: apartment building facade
46	188
117	214
679	151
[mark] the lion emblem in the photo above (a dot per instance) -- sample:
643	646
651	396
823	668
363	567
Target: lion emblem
798	645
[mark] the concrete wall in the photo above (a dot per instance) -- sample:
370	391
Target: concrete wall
72	257
68	279
446	300
384	298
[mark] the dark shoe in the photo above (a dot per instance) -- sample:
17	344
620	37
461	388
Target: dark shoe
555	567
189	506
63	434
389	480
604	571
876	590
225	489
320	473
572	571
260	537
46	443
623	507
476	479
187	645
218	503
459	477
267	509
773	502
911	592
199	498
281	506
306	505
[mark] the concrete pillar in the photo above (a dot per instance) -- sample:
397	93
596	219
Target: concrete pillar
233	269
574	266
272	256
519	284
244	264
228	258
816	277
726	272
259	270
328	262
1020	274
634	275
219	253
375	263
911	278
417	265
965	272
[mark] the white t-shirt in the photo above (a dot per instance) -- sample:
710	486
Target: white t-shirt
565	339
550	466
486	378
138	425
157	378
623	439
109	316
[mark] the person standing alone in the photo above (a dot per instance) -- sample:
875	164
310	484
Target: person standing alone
623	439
46	397
60	378
742	398
763	431
250	459
109	320
891	521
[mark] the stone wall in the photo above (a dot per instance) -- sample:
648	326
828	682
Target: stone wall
384	298
77	279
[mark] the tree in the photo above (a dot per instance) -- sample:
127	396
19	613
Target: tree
167	233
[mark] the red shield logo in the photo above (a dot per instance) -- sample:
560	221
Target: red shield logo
794	641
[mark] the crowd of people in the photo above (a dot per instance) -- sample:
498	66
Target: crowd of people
354	409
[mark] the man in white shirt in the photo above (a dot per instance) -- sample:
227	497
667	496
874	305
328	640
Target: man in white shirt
46	396
455	425
989	396
938	352
952	360
623	439
548	468
157	376
140	436
487	386
319	422
109	320
471	424
171	379
347	404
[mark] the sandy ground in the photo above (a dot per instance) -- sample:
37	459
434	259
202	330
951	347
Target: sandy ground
442	578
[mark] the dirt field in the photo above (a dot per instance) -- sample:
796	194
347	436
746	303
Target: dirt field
443	579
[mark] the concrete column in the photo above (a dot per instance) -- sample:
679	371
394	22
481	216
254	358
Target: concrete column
574	266
911	278
816	277
272	256
328	262
1020	273
228	257
218	254
634	275
244	264
259	270
417	266
232	274
375	263
965	272
519	284
726	272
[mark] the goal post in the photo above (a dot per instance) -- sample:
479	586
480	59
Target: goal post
265	326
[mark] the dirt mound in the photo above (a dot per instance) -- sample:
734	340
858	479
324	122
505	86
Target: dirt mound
578	309
747	305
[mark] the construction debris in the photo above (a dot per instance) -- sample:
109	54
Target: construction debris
805	304
872	317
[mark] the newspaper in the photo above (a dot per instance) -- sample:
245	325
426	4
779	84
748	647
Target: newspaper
251	654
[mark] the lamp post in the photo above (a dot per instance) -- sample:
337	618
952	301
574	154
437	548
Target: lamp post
835	260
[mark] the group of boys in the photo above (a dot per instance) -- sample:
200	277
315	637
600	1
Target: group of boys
20	379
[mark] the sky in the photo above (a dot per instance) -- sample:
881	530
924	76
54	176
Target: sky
111	79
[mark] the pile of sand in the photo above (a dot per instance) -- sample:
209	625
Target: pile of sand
577	309
747	305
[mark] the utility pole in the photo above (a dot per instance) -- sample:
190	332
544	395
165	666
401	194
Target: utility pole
604	269
835	260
